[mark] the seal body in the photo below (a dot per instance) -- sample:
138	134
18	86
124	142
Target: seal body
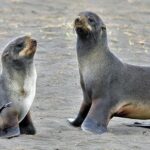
21	90
17	87
110	87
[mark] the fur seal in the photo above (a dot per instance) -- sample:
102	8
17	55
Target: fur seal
110	87
17	87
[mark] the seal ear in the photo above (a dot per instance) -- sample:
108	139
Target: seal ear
4	55
103	27
104	34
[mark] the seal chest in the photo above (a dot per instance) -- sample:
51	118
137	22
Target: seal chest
22	91
30	89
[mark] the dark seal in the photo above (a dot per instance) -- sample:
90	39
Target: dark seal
17	87
110	87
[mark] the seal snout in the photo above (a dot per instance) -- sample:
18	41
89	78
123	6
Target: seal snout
34	42
80	22
30	47
82	25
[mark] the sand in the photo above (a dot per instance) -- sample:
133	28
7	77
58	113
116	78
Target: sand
58	90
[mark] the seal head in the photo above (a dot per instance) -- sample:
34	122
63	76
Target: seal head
19	53
88	25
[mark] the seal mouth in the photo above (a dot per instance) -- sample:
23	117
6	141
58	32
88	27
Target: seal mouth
81	25
30	48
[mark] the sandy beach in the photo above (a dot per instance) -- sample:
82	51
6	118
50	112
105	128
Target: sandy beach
59	94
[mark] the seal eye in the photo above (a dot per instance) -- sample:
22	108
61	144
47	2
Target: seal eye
91	20
19	46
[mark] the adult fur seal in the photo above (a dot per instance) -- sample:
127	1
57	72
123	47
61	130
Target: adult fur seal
17	87
110	87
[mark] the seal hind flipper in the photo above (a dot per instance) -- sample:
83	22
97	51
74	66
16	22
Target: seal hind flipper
138	124
91	125
85	107
26	125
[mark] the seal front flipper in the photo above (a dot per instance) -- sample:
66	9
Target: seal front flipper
9	126
10	132
97	118
81	115
26	125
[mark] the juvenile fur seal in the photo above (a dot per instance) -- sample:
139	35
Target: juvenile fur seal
17	87
110	87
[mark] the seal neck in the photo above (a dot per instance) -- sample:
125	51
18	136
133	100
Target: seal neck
10	74
96	41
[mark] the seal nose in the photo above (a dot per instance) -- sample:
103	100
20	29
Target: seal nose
78	19
34	42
